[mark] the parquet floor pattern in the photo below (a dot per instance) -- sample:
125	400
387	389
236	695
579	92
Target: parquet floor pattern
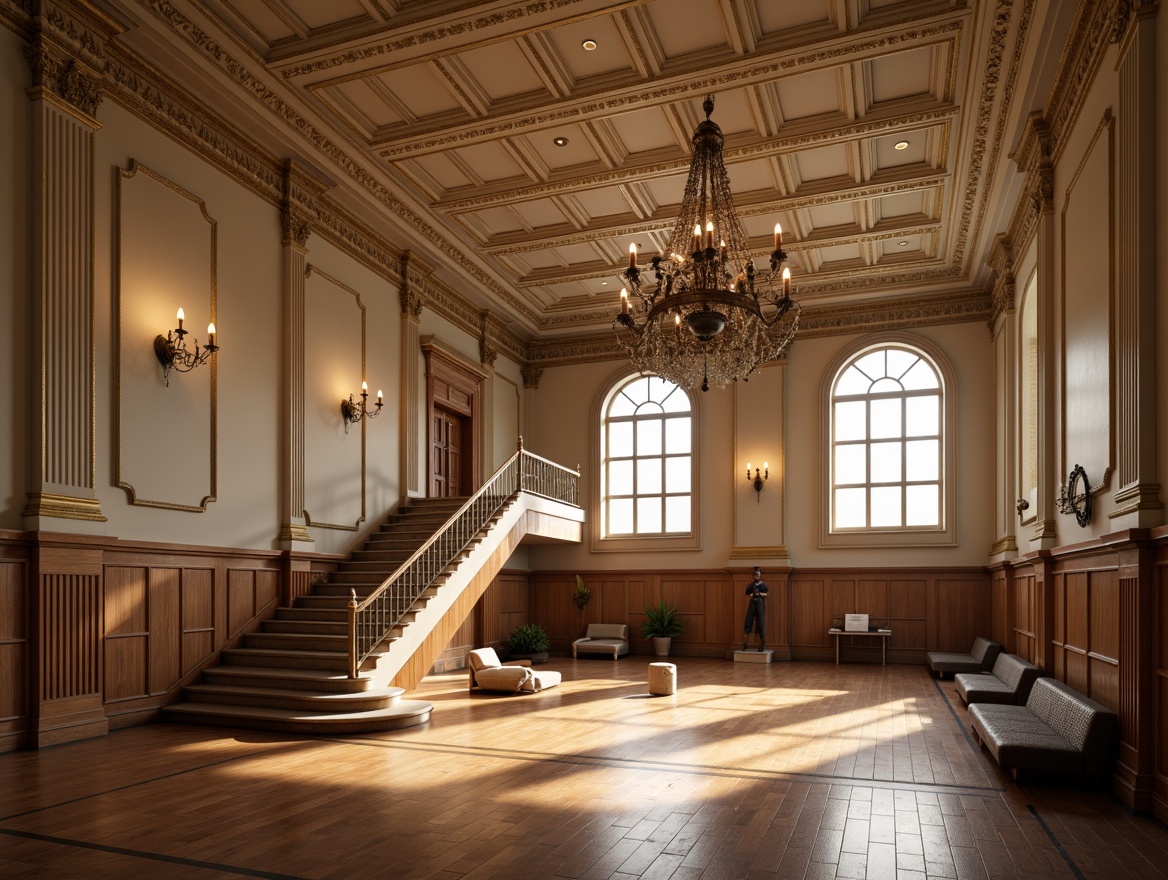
796	770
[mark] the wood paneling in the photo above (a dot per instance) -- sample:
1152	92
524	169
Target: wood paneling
13	641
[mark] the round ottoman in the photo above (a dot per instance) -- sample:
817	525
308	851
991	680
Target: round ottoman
662	679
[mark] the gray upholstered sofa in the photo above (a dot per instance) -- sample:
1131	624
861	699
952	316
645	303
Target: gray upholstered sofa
980	658
1009	683
608	639
488	673
1058	730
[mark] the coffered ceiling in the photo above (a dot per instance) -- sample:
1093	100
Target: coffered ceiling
541	138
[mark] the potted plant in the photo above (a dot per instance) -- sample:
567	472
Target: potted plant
662	625
530	641
581	594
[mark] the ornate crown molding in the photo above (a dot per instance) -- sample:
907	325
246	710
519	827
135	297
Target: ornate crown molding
1089	42
66	52
300	207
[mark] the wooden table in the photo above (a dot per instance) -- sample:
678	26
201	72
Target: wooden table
883	634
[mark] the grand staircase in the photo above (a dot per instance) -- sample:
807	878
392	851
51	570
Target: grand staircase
292	675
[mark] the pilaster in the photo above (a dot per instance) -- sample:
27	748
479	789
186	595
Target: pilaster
65	56
413	274
297	214
1137	496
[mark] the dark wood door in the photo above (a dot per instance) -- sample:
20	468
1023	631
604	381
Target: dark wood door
446	455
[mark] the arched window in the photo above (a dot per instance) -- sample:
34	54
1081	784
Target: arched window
888	460
646	461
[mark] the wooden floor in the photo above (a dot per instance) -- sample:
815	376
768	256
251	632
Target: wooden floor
749	771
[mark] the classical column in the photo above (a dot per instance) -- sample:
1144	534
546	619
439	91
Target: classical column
1137	496
412	280
65	93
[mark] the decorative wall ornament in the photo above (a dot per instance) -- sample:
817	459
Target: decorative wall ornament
1076	496
531	376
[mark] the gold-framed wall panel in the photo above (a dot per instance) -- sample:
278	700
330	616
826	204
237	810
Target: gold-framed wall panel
309	270
1106	126
120	472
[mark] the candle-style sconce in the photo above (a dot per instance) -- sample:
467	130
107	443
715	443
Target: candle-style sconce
353	411
758	478
172	352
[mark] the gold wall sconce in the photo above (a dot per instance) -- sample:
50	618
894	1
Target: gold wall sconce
172	352
354	411
758	478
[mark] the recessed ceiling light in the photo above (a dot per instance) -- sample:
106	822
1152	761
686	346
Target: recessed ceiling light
902	244
589	45
604	284
560	141
901	145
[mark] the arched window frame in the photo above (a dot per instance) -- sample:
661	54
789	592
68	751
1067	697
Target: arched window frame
601	543
900	536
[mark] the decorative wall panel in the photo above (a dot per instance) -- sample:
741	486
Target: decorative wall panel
334	368
166	261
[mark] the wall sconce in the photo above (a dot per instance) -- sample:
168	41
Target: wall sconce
1075	496
757	479
172	351
353	412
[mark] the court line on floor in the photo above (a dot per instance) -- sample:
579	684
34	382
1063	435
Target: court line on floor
155	857
1057	843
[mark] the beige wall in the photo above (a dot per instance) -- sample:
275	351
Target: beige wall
731	514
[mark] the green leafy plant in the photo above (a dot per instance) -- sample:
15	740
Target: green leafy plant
529	638
581	594
660	622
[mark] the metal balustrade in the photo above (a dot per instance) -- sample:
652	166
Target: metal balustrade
372	619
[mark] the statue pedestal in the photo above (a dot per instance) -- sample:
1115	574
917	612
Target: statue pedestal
753	656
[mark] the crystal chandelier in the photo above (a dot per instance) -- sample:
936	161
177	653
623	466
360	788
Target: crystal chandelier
707	317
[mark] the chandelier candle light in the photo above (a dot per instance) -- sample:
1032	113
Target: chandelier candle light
708	316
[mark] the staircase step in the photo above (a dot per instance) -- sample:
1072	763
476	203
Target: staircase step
279	641
293	698
337	661
406	713
307	626
315	615
316	680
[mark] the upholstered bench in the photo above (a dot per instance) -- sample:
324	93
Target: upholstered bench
1009	683
980	658
1057	730
608	639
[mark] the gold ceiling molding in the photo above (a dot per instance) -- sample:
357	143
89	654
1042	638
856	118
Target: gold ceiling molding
1083	53
603	101
989	99
997	143
213	52
436	35
788	242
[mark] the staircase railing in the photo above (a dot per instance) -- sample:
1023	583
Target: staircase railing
372	620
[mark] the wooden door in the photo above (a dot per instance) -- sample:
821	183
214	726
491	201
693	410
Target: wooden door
447	461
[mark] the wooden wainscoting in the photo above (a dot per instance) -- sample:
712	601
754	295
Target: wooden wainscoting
14	638
705	601
941	609
1086	613
928	609
97	633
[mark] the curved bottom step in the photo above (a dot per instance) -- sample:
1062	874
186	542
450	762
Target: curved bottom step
404	713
